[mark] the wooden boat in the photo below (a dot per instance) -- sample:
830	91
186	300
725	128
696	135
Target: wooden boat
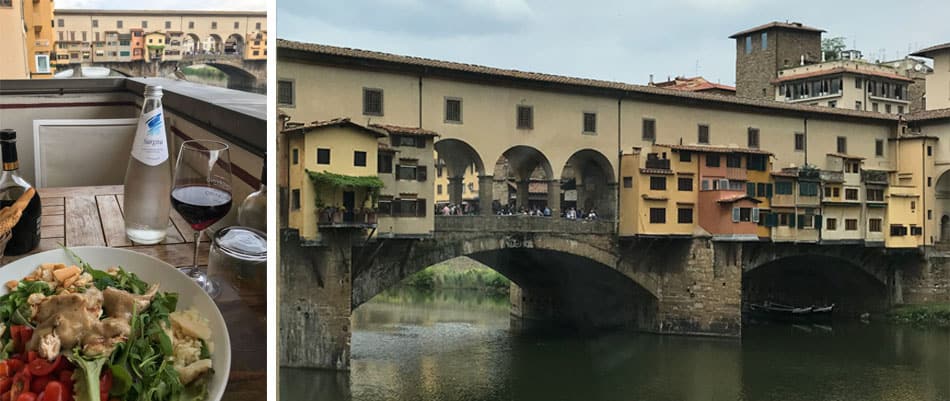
777	311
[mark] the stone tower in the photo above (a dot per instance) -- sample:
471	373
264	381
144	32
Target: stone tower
762	51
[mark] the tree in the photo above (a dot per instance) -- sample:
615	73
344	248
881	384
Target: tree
831	47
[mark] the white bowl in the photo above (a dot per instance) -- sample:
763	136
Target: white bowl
151	270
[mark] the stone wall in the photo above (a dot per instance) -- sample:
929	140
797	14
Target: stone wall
315	292
925	279
755	71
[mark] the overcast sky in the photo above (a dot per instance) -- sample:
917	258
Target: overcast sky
219	5
618	40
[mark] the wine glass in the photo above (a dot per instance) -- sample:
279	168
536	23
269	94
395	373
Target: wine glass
201	194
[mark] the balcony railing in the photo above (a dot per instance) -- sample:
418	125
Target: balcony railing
93	122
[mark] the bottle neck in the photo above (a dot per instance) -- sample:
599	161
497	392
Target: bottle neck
10	160
151	103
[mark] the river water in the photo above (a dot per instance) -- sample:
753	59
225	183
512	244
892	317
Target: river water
456	345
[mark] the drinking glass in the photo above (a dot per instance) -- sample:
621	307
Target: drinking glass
201	193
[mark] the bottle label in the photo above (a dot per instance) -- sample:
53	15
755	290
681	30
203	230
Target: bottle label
149	146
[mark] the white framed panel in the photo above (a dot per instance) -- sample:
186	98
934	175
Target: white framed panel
82	152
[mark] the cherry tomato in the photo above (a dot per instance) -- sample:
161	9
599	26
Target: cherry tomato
14	365
42	367
4	369
27	396
38	384
5	384
26	333
31	356
55	391
21	384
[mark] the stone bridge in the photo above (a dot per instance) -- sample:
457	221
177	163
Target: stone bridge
248	75
580	274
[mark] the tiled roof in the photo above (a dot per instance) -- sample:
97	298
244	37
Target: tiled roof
394	129
839	70
694	84
385	148
928	115
661	171
736	198
928	52
775	24
846	156
294	128
717	149
430	66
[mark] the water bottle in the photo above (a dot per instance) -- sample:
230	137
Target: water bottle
147	199
26	232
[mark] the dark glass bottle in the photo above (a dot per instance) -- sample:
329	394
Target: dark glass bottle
26	233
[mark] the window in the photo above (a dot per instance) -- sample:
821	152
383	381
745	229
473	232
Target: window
590	122
733	161
191	24
295	199
257	26
875	195
753	135
874	107
295	156
285	92
684	184
748	44
168	25
214	25
628	182
851	224
118	24
60	23
743	214
765	40
831	224
887	108
42	63
874	225
852	167
807	188
703	135
879	147
372	102
684	215
237	25
915	230
359	158
930	150
405	172
438	189
384	163
832	103
409	141
851	193
323	156
144	24
525	116
929	181
857	105
712	160
842	145
900	109
686	156
657	215
783	187
649	129
930	214
453	110
799	141
857	83
256	52
95	23
658	183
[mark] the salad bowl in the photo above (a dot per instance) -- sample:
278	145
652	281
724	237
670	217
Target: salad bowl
151	270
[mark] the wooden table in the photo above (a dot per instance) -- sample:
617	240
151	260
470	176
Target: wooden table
93	216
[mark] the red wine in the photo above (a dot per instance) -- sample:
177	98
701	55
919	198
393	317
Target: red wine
201	206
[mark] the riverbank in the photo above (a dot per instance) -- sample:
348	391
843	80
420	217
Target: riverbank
931	315
463	275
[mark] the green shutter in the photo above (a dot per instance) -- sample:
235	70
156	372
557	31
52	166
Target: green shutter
735	215
801	221
768	190
818	222
750	189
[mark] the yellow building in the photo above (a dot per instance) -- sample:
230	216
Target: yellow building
256	46
938	82
26	38
332	175
13	42
155	46
911	197
659	193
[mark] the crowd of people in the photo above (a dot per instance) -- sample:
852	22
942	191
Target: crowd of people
465	209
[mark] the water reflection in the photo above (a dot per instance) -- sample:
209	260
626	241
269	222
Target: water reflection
457	346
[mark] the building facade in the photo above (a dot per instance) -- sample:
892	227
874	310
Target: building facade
763	50
845	83
937	92
27	39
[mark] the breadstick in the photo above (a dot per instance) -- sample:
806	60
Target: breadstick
10	215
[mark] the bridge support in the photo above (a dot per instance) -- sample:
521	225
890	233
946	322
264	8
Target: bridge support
455	188
522	193
485	201
554	197
315	298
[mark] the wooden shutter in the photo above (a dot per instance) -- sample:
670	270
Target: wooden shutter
817	222
421	207
398	171
801	221
735	215
755	215
791	219
420	173
396	206
768	190
420	142
750	189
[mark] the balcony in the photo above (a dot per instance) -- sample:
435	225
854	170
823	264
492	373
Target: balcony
92	120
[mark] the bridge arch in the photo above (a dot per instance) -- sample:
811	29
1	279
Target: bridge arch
213	44
191	44
518	168
942	208
464	169
234	45
854	285
588	183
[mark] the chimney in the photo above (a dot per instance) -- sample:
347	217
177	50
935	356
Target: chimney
651	79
